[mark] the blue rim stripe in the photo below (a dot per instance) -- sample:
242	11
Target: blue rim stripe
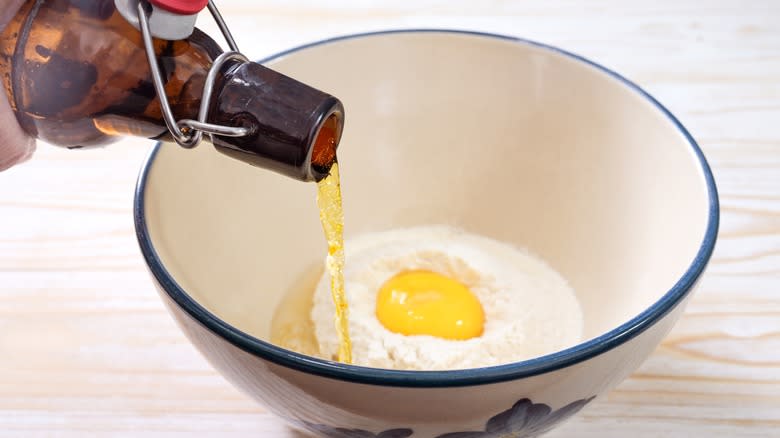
469	377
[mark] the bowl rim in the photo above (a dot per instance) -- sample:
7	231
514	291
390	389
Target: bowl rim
450	378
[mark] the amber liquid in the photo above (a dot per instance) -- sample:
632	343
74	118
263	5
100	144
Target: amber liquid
291	326
332	218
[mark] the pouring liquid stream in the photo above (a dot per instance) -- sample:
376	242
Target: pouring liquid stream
332	218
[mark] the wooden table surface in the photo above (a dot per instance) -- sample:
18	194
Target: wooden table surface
86	347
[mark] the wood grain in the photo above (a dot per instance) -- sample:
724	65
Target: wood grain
86	348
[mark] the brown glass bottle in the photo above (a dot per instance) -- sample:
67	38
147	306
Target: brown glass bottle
76	74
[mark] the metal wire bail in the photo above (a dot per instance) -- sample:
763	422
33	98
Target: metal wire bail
189	133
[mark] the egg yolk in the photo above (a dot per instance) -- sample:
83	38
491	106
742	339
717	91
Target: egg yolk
426	303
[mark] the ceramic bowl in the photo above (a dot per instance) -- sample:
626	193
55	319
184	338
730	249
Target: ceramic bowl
506	138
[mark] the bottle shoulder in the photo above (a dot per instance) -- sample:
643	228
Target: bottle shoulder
77	71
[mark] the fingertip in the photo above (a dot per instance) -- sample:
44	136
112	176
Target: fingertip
15	151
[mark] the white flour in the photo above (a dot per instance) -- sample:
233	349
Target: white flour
529	308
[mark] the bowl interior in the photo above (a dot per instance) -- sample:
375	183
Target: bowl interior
504	139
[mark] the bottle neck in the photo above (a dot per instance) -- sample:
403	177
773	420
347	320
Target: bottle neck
295	129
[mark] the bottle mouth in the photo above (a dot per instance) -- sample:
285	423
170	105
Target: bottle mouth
326	141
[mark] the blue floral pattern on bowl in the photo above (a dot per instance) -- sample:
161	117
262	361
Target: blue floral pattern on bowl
341	432
524	419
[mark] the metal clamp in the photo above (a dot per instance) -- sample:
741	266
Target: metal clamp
189	133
